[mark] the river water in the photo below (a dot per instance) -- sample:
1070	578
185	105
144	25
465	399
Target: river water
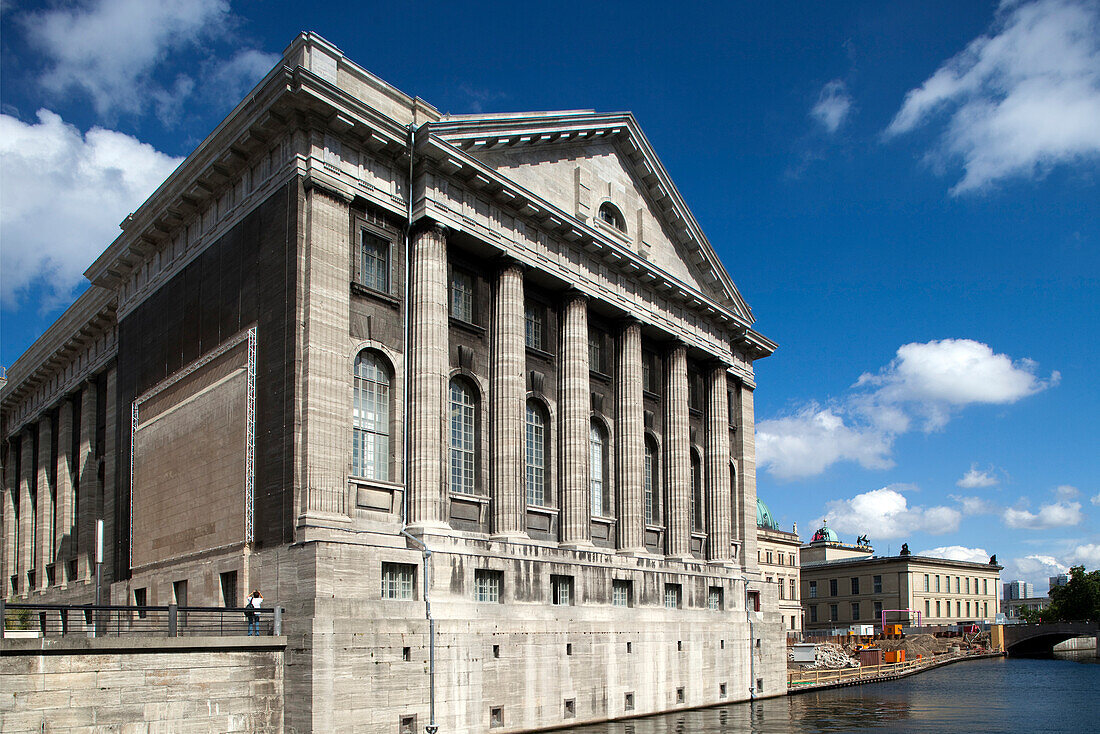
993	696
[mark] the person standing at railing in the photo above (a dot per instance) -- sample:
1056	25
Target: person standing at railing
255	601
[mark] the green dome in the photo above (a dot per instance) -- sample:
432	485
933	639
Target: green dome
826	534
764	517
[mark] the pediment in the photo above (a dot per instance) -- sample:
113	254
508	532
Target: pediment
580	161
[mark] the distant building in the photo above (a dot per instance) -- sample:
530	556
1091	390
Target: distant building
777	554
1011	607
1020	590
1060	580
844	585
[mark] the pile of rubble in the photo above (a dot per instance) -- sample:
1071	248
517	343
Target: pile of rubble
828	655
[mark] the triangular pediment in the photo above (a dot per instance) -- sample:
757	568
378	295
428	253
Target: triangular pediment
580	161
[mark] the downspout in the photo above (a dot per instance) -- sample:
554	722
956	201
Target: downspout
431	727
752	644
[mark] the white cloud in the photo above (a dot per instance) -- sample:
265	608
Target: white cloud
885	513
975	478
1036	568
929	381
109	48
1020	100
1066	492
1055	515
975	505
957	553
806	443
833	105
1096	499
1087	555
64	194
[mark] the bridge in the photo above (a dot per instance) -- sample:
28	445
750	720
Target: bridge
1029	639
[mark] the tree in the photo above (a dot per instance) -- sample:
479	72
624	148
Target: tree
1078	600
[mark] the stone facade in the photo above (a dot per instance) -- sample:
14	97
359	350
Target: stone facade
778	555
483	368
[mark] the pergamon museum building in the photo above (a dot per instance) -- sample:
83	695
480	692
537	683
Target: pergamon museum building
386	365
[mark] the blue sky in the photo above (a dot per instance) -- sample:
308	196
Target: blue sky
906	194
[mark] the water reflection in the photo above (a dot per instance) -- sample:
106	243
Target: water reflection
1052	695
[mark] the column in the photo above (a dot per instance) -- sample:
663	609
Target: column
677	455
87	483
64	526
11	491
576	408
25	552
719	514
428	363
630	424
508	352
43	541
109	487
744	450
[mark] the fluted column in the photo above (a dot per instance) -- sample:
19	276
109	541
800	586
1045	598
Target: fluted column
11	492
506	388
428	362
25	553
744	450
87	483
719	513
677	454
631	439
576	407
43	541
63	477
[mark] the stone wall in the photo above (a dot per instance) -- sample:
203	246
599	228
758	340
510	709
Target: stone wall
196	685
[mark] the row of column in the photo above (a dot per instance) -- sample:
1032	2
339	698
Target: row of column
46	525
507	354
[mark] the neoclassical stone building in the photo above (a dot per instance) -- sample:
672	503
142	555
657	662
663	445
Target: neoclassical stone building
349	328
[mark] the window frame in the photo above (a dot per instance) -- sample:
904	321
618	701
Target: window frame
624	589
365	451
537	408
612	216
398	581
562	590
651	482
599	469
464	309
467	453
673	593
534	325
382	280
488	586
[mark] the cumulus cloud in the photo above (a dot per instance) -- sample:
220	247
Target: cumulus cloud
110	48
1036	568
957	553
976	478
64	194
1019	100
975	505
833	105
1054	515
886	513
1087	555
1096	499
1066	491
814	438
925	383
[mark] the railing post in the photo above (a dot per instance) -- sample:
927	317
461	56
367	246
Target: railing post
172	608
277	626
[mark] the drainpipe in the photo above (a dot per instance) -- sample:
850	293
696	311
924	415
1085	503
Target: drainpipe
431	727
752	643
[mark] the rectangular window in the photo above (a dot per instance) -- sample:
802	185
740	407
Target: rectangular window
794	591
985	587
398	581
927	609
782	593
855	585
767	556
937	585
967	584
462	296
714	598
649	371
813	589
985	609
562	589
622	593
229	588
832	587
695	390
141	599
878	610
534	325
834	612
595	351
855	610
487	585
876	584
926	583
374	262
535	447
958	585
462	447
673	596
958	609
813	613
968	609
937	609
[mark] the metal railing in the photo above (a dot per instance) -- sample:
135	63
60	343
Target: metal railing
826	676
90	620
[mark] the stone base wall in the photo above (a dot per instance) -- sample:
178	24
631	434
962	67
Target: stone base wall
104	686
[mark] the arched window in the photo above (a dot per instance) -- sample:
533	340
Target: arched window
696	493
535	454
370	449
652	483
463	440
597	467
610	213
